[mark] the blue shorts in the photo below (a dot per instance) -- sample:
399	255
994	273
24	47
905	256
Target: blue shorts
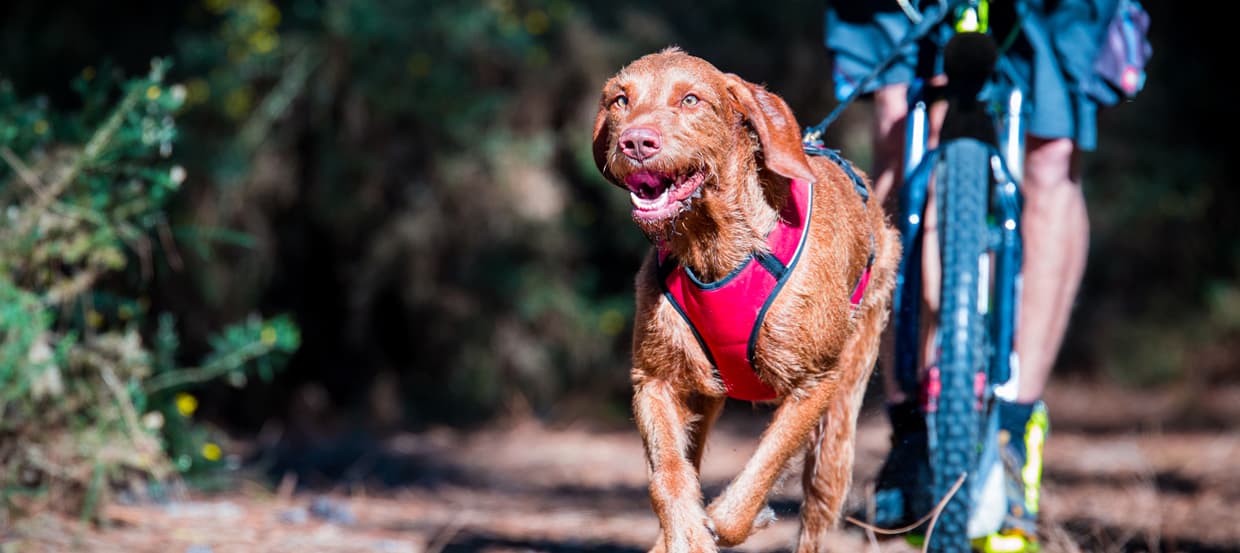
1056	68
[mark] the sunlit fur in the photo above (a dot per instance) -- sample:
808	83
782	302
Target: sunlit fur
813	349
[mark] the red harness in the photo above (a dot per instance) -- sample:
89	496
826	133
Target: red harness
726	315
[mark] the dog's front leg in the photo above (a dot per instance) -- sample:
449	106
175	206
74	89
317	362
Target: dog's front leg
735	511
663	419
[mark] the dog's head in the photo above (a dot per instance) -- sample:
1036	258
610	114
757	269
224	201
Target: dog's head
672	129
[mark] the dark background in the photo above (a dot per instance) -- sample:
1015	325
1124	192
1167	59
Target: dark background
424	202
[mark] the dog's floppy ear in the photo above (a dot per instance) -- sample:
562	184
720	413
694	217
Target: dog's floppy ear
777	129
602	133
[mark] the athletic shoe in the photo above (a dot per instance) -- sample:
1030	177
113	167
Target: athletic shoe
1023	429
902	490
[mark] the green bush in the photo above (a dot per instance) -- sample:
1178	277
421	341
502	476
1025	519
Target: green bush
92	394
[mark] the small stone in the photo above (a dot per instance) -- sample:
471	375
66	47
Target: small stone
296	515
331	511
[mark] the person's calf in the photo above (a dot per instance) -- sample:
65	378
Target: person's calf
1055	230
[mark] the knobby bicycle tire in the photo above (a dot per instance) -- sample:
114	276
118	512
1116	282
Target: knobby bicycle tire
953	422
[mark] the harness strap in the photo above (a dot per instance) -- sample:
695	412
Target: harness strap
863	281
772	264
817	149
726	315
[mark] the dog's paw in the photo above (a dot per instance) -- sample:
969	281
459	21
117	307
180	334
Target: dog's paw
699	540
727	531
730	531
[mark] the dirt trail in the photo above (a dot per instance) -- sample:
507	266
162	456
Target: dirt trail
1126	471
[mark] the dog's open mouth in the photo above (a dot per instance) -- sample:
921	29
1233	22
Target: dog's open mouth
657	196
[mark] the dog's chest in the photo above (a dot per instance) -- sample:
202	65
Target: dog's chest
726	315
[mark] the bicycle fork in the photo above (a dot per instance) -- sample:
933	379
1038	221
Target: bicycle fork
1006	165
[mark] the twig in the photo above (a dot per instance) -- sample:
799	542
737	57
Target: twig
215	369
94	147
447	533
278	100
938	510
71	289
122	400
288	484
23	171
170	246
869	533
141	246
932	517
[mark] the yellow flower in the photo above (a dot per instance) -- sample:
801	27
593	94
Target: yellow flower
238	102
211	452
94	319
153	92
268	336
263	42
268	15
186	404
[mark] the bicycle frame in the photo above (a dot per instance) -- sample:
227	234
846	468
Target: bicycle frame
988	209
999	269
919	163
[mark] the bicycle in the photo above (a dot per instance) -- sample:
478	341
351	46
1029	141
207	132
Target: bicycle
977	197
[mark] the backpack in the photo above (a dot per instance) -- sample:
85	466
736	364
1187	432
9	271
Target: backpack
1125	49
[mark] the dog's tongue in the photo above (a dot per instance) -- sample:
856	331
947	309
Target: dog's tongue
645	184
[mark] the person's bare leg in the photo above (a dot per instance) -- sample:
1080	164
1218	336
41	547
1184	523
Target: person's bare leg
931	270
1055	228
890	113
890	116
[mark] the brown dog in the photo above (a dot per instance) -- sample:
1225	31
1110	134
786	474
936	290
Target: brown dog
714	165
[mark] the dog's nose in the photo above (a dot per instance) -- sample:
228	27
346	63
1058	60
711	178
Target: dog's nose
640	143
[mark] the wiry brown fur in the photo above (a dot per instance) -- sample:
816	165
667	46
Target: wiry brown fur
813	349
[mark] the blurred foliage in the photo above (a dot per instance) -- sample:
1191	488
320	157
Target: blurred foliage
421	201
413	182
86	403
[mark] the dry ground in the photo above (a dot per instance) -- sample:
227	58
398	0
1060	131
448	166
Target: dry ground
1126	471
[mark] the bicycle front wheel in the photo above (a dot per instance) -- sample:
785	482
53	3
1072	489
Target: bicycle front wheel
953	408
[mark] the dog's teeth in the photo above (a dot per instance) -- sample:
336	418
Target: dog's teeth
643	202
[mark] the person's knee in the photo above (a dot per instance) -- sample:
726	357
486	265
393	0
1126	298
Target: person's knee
1049	164
891	103
890	109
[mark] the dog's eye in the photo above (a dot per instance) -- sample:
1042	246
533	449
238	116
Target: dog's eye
620	101
690	100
